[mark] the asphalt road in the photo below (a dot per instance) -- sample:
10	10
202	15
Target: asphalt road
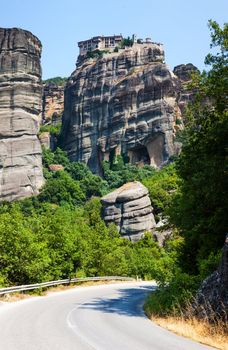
104	317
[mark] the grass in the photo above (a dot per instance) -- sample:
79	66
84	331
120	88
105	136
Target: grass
195	329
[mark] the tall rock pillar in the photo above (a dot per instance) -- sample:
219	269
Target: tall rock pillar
20	107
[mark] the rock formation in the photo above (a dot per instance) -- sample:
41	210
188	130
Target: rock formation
211	301
162	231
124	103
129	207
185	94
52	103
20	106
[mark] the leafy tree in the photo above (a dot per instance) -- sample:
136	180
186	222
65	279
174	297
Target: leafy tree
126	42
117	172
200	209
162	186
62	189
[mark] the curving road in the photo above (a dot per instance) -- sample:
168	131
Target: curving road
104	317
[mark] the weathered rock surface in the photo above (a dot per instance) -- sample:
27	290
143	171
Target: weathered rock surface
212	298
20	106
126	103
185	94
162	231
52	103
56	167
129	207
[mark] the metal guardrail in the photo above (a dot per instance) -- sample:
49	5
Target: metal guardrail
66	281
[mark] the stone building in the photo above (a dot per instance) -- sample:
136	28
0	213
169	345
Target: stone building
99	43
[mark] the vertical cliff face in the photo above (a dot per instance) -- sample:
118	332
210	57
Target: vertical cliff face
186	95
52	102
124	103
20	106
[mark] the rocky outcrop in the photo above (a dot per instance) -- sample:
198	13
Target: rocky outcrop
52	103
20	106
124	103
129	207
211	301
162	231
185	94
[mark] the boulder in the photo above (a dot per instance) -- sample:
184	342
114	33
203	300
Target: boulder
129	207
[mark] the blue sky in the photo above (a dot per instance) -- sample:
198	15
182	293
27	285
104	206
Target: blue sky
179	24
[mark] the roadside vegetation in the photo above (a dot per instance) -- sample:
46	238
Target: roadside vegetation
199	207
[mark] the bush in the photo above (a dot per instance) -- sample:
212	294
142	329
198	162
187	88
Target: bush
172	298
61	189
53	129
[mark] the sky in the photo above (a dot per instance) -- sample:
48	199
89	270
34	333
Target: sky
179	24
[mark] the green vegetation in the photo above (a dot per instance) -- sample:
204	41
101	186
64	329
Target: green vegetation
60	233
117	171
97	53
53	129
60	81
199	207
126	42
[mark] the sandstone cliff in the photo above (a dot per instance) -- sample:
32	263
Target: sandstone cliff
20	106
125	102
185	94
129	207
52	102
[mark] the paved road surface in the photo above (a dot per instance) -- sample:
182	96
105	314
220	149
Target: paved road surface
104	317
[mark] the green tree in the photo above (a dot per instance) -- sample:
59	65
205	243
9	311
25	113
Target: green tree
200	209
62	189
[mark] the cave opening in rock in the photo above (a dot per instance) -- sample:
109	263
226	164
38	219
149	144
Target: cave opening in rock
139	156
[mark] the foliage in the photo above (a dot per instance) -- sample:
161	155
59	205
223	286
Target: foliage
60	81
172	298
62	189
162	187
42	241
200	207
97	53
53	129
117	172
126	42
